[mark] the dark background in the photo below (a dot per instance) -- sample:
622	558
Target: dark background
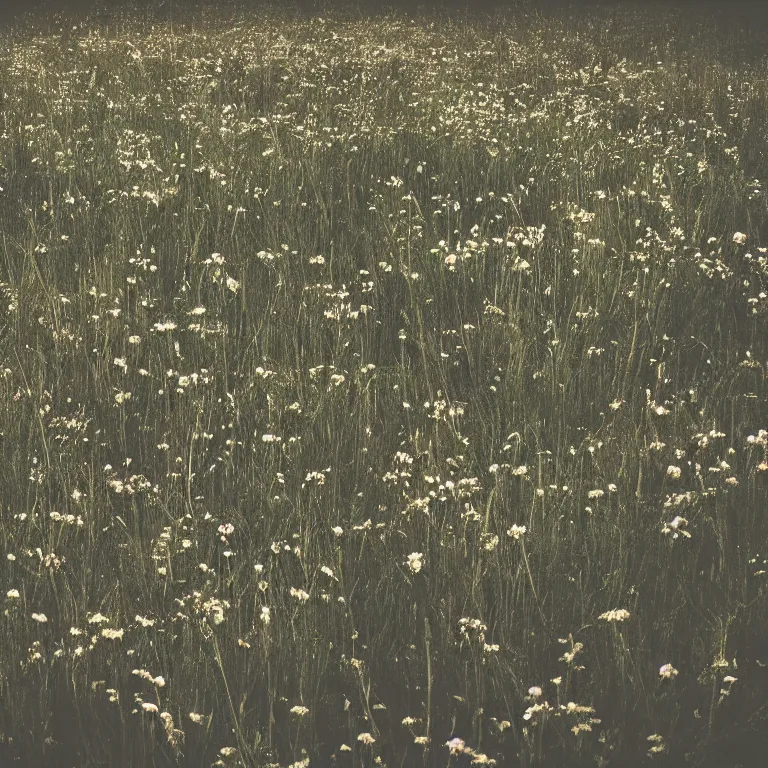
753	11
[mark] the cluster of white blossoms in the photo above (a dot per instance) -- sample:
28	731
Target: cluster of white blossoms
617	614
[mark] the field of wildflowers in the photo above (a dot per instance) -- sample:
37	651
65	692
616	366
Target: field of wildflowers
383	390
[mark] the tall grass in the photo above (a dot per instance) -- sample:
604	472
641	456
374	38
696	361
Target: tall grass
383	390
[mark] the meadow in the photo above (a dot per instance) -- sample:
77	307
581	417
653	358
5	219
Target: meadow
384	389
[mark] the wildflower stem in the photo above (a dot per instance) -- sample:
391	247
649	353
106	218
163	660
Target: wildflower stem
427	643
530	579
235	720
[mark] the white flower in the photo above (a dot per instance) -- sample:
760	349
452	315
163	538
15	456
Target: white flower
414	561
617	614
41	617
667	671
516	531
739	238
676	527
